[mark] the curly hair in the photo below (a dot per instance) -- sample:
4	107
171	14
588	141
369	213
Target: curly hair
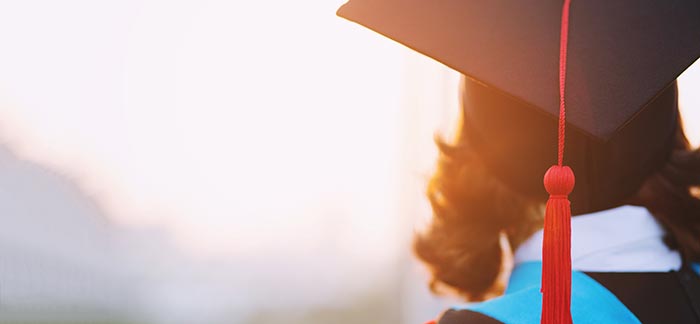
472	210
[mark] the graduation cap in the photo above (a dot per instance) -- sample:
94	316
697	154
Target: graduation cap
610	66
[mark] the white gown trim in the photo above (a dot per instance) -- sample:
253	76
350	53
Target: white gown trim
622	239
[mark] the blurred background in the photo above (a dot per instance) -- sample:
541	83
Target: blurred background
200	161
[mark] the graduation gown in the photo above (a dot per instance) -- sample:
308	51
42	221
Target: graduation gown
623	273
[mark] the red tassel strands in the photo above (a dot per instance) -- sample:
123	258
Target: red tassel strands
556	249
559	182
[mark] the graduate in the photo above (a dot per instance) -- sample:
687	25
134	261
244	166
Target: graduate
571	154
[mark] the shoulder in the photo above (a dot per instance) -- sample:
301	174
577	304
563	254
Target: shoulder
522	304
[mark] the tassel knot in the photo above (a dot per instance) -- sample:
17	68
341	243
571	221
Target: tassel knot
559	181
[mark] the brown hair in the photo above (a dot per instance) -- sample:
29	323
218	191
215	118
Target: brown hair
472	209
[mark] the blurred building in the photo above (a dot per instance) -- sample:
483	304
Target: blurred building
61	259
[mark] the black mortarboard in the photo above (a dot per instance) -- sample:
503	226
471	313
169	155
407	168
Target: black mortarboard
621	53
621	96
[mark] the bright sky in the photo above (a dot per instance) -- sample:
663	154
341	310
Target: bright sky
240	125
689	96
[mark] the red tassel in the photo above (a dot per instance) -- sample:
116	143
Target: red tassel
559	182
556	248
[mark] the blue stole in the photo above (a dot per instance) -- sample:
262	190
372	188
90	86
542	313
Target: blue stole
522	302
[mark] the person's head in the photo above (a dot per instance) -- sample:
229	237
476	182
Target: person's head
489	182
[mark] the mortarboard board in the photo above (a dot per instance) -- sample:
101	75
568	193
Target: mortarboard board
622	62
621	53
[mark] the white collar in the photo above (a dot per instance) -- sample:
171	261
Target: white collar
622	239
